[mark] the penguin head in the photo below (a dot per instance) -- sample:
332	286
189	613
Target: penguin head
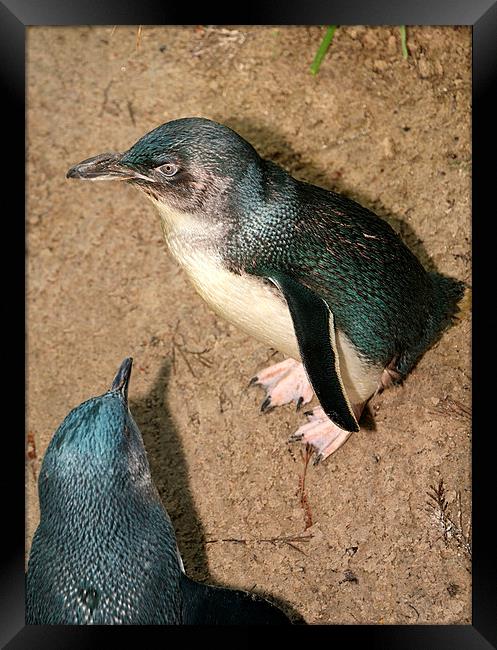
187	164
97	448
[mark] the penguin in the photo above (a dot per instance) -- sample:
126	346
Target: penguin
303	269
105	551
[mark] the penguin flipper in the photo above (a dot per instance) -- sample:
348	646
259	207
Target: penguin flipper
315	331
208	605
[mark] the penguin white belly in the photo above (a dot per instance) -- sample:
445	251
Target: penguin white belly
255	306
244	300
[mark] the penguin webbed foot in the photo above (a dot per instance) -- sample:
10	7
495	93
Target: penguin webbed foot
321	434
391	376
283	382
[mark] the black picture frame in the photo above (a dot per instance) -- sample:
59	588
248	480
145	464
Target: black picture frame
15	16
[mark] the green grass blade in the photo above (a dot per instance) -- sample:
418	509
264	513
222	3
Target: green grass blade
323	48
403	40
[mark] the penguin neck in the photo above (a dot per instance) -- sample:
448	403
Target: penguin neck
81	499
269	220
258	210
189	234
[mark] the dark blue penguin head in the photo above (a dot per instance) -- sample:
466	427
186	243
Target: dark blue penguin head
188	164
190	141
97	438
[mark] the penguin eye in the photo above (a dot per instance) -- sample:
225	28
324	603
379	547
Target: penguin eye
169	169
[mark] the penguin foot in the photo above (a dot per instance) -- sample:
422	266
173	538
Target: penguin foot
390	376
284	382
321	434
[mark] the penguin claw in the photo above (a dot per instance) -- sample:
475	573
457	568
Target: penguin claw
317	459
253	381
266	405
315	415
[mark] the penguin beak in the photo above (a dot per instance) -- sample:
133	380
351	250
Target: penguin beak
121	380
105	167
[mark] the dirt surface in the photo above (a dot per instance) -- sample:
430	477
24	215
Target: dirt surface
364	544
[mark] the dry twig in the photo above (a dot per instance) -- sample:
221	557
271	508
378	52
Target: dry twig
272	540
304	502
452	407
183	350
438	506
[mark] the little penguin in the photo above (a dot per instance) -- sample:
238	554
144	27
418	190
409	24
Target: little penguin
305	270
105	551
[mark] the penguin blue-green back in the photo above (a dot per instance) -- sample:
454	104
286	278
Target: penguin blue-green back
378	291
105	550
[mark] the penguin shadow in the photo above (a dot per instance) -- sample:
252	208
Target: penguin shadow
170	472
170	475
273	145
367	421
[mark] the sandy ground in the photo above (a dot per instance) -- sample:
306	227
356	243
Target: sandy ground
390	133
